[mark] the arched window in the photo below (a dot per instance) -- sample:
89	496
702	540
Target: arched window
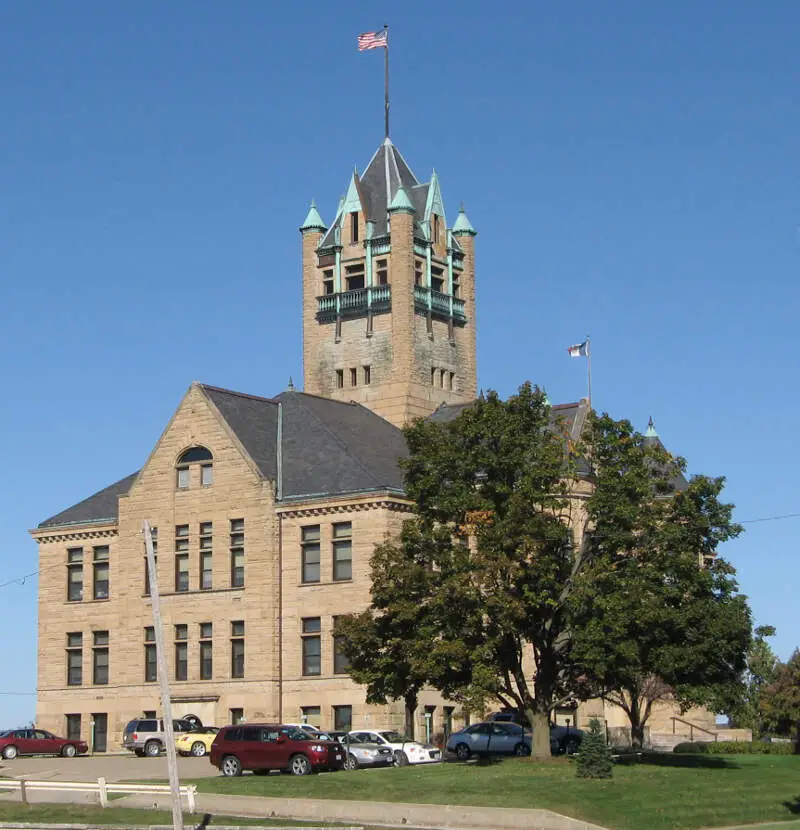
195	455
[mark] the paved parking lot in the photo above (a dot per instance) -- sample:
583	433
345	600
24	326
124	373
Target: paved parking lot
111	767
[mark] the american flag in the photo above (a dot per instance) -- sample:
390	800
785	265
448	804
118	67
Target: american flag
373	40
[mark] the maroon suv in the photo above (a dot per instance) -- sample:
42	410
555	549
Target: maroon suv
262	747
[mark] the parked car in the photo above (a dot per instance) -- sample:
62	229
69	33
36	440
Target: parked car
145	736
405	751
14	742
262	747
362	753
564	740
504	738
197	742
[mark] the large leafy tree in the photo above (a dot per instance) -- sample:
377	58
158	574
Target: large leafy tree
762	666
780	700
657	615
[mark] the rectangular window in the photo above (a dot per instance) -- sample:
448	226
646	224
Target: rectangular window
451	384
310	553
456	288
383	272
150	657
417	272
74	658
340	378
206	545
206	475
73	728
354	377
437	280
237	648
441	378
101	556
433	376
342	718
312	715
237	553
183	478
327	281
74	574
206	651
236	716
367	375
181	652
312	662
341	663
182	572
181	538
154	537
354	227
342	551
100	659
354	276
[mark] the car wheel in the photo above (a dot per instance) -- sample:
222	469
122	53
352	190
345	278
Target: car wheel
69	751
463	752
152	748
571	746
231	767
300	765
400	758
10	752
521	750
139	753
198	749
351	762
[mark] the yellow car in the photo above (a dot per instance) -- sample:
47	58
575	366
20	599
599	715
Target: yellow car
197	742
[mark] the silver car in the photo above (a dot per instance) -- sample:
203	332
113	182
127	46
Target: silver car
364	753
490	738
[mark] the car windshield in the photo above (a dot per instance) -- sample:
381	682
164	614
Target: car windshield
5	733
294	734
393	737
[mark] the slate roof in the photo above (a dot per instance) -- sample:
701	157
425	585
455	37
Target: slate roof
102	506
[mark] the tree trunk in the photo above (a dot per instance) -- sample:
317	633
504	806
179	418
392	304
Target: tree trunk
411	708
635	718
541	733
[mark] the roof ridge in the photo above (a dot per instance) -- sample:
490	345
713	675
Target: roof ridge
565	405
338	440
238	394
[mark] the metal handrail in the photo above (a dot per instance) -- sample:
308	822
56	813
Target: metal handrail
692	727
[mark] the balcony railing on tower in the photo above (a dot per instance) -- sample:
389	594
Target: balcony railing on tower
355	303
439	304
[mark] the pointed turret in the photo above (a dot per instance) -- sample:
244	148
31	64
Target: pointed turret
313	221
462	224
651	429
401	203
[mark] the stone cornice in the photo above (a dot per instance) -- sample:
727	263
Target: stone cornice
306	510
48	535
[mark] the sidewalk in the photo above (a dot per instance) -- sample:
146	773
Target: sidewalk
433	816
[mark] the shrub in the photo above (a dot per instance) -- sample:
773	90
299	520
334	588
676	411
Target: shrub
594	757
734	748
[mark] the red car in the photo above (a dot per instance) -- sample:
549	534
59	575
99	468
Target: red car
262	747
15	742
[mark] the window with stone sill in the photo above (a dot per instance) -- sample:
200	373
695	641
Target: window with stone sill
342	551
74	658
206	651
101	570
192	456
310	554
100	659
74	574
312	646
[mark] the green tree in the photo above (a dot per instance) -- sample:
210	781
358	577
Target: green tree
498	480
762	665
780	700
594	758
657	615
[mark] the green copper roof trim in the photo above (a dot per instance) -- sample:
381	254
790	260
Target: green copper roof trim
651	430
352	201
401	203
434	203
313	222
463	225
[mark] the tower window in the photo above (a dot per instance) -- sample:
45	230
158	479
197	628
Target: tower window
433	376
456	287
442	373
452	382
417	272
354	275
383	272
327	281
192	456
437	280
367	375
354	377
354	227
434	227
340	378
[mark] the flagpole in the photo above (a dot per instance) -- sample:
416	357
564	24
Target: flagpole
589	368
386	77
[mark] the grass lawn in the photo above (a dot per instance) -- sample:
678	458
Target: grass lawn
659	792
86	814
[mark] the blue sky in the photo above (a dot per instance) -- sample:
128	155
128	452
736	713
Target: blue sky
632	170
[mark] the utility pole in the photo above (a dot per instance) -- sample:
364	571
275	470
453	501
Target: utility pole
163	682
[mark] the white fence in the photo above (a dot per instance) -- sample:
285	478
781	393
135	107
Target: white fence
101	787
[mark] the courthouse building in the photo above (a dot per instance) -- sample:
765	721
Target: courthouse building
266	510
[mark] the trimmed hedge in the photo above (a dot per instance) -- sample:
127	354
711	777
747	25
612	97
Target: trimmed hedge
734	748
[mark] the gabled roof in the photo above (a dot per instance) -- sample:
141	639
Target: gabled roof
103	506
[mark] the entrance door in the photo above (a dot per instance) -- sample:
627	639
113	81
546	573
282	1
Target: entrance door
99	732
